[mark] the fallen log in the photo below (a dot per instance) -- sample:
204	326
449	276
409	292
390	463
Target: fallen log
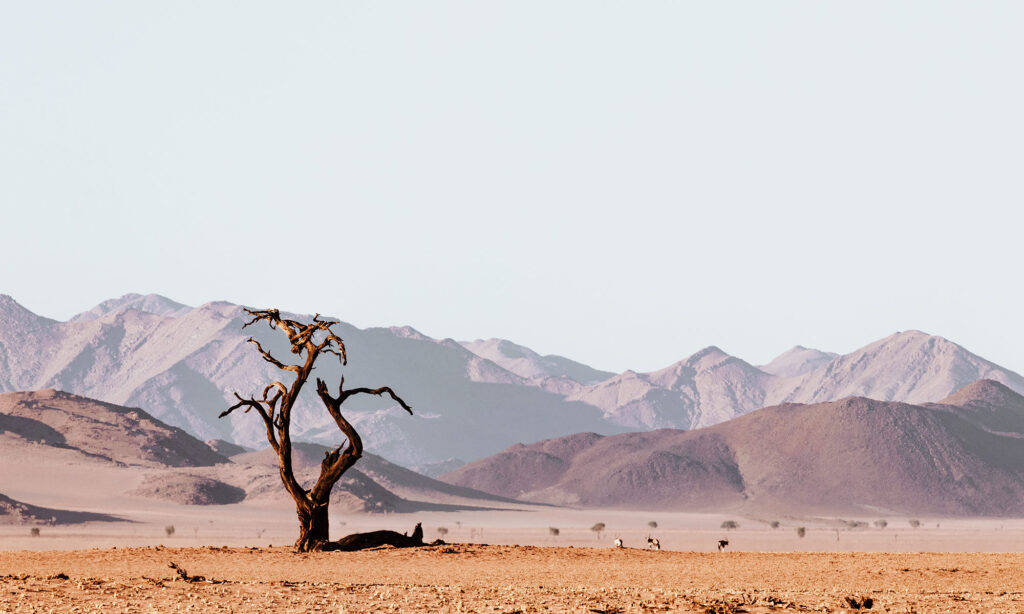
376	539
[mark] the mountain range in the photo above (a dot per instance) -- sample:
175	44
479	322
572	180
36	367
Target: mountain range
961	456
471	399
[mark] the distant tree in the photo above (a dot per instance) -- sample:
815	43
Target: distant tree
775	524
169	530
598	528
308	341
442	531
34	531
914	522
553	531
881	523
653	524
729	525
801	531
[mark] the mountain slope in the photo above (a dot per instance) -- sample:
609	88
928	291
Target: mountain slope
706	388
711	386
100	430
910	366
797	361
184	368
855	455
18	513
184	364
48	430
528	364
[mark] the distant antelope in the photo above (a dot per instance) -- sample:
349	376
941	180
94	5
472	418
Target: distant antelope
653	543
618	542
722	543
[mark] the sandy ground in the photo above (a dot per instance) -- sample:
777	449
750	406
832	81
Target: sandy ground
476	578
244	550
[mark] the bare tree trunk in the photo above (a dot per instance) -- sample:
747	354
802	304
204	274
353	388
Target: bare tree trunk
314	527
275	408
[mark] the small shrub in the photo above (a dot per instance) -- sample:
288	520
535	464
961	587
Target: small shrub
553	531
169	530
881	523
442	531
729	525
801	531
34	531
914	522
653	524
775	524
855	524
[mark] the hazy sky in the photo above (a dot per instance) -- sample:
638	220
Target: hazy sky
619	182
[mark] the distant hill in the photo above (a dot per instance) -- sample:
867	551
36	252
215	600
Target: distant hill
54	428
471	399
963	456
18	513
100	430
373	485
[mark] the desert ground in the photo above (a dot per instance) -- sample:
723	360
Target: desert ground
477	578
244	554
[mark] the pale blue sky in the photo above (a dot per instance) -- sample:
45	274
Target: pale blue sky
622	183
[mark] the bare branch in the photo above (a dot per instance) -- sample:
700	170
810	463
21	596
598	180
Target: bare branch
376	391
267	357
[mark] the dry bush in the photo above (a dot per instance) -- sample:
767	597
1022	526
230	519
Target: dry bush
169	530
801	531
729	525
881	523
553	531
914	522
34	531
775	524
653	524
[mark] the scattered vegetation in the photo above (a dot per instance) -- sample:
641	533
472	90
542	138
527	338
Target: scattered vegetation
442	531
801	531
598	528
553	531
855	524
34	531
881	523
914	522
653	524
169	530
729	525
775	524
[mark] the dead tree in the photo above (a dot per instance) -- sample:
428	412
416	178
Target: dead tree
376	539
308	341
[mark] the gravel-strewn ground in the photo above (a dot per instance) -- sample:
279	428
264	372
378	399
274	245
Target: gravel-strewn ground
476	578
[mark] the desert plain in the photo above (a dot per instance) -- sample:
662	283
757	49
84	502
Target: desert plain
509	561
